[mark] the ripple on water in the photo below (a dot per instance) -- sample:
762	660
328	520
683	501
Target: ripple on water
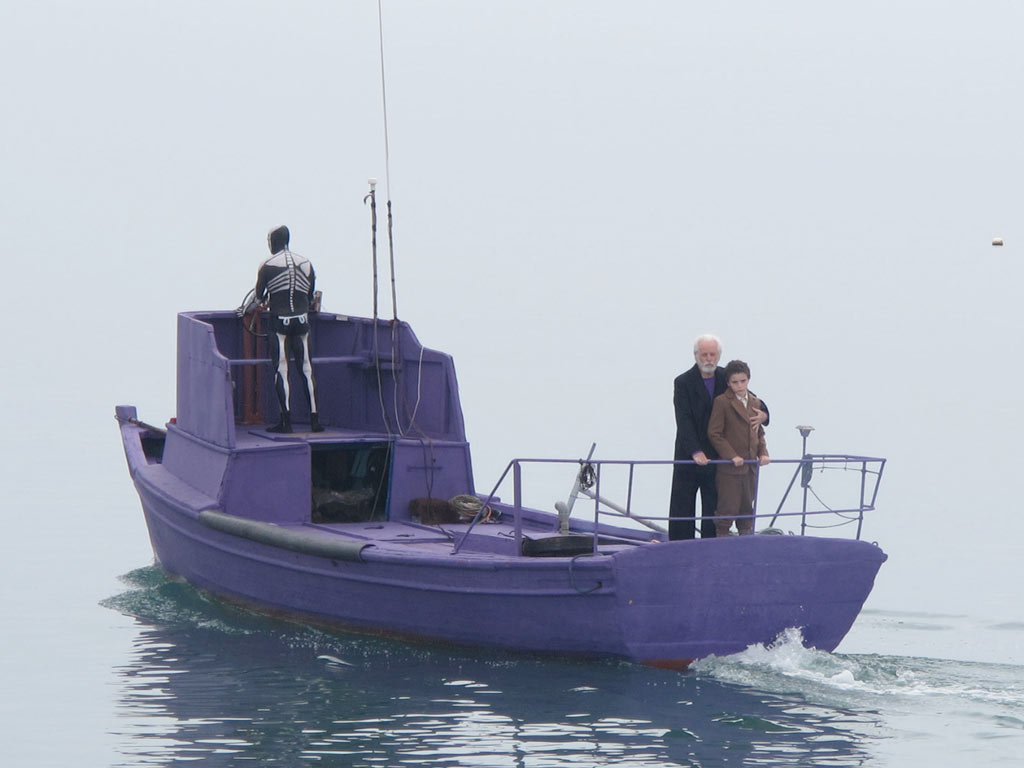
208	681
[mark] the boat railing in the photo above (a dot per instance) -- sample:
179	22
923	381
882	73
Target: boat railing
813	512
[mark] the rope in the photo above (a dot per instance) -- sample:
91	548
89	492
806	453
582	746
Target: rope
820	500
373	243
419	389
391	258
395	370
427	448
468	507
572	576
251	308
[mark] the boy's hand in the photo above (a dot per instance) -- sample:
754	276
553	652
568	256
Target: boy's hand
737	461
764	459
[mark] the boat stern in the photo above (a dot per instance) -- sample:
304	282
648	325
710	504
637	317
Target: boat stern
143	443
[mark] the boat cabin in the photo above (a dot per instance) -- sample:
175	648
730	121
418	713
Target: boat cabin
394	430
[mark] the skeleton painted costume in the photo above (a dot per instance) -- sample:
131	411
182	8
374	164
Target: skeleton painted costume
287	280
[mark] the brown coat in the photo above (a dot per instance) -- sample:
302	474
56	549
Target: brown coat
730	431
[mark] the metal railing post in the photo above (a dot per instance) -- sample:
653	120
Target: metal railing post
517	503
629	490
753	506
863	485
805	430
803	514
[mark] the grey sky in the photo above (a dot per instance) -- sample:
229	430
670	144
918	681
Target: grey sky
579	189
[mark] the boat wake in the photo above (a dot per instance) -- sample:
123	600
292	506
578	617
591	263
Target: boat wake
176	607
154	599
787	667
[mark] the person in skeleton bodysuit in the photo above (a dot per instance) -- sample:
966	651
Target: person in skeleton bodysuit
287	280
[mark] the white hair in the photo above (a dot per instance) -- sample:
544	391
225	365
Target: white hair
707	337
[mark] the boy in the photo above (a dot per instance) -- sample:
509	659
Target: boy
736	437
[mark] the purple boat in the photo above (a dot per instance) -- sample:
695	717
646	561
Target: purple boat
374	525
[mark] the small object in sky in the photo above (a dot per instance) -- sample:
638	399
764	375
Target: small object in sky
997	241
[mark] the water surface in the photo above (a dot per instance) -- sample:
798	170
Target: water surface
207	681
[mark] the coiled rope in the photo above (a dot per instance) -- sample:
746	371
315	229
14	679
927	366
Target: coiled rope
468	507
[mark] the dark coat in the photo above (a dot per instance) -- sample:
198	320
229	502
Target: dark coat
693	409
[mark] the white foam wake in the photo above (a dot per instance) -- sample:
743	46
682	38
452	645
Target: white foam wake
786	666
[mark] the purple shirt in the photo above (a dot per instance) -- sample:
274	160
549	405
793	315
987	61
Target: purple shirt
709	385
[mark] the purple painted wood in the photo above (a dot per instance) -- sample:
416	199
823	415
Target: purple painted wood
395	433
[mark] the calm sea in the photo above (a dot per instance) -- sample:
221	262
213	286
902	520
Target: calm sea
201	681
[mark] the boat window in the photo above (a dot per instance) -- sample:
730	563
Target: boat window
350	482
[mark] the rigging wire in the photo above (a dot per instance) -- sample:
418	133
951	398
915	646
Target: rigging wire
387	157
384	100
395	336
396	346
372	197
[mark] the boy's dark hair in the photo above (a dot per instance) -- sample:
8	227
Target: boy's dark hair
734	367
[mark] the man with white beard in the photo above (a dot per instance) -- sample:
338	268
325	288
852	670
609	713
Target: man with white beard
695	391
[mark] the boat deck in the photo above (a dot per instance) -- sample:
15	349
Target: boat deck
483	540
256	436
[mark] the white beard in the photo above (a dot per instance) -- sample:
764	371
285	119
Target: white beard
707	368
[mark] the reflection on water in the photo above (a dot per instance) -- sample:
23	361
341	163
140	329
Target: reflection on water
207	682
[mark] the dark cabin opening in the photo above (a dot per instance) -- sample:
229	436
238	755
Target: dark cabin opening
153	447
350	482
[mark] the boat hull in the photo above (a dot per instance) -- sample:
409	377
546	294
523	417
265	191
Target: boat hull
663	604
461	599
688	600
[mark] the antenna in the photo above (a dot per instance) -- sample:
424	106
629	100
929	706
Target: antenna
387	158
